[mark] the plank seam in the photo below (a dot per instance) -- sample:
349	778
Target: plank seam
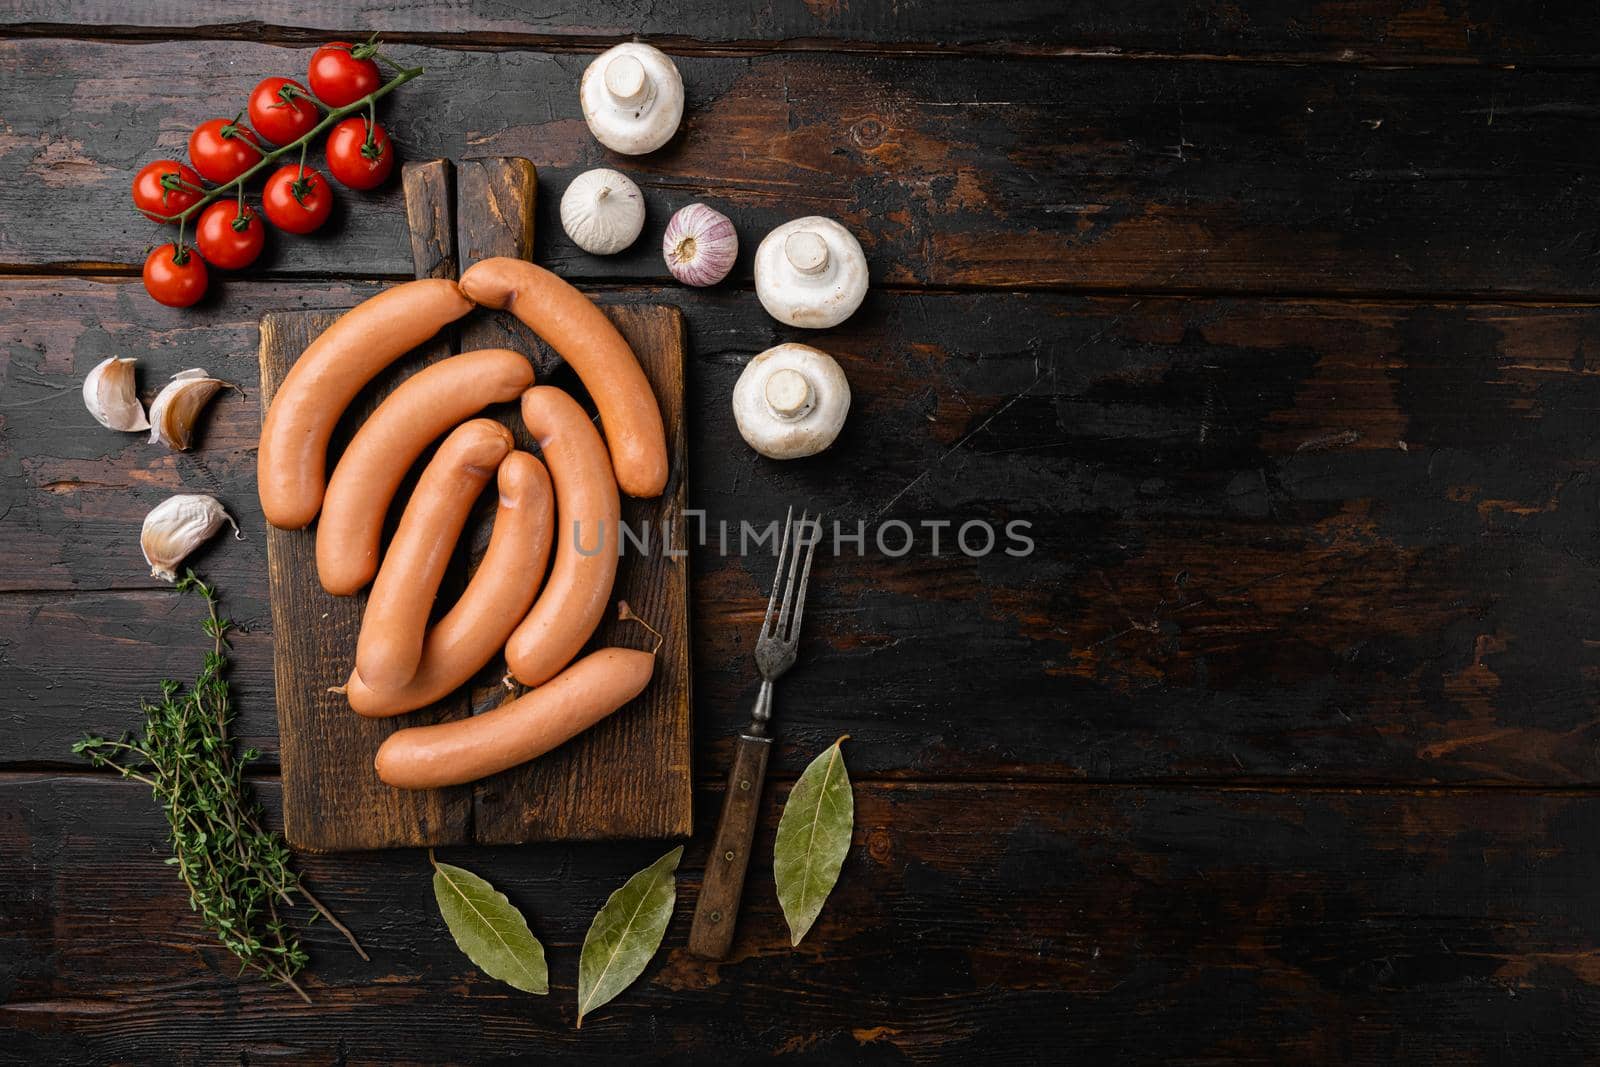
685	45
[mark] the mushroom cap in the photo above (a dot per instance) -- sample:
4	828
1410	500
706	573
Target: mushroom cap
605	226
636	107
797	379
811	273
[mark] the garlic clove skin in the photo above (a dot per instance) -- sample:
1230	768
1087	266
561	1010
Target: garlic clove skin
176	409
811	273
108	393
176	527
700	245
602	211
632	97
791	401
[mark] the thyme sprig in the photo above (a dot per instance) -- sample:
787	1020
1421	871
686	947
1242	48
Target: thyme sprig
237	871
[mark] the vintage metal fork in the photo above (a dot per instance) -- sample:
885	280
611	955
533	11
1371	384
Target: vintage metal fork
718	907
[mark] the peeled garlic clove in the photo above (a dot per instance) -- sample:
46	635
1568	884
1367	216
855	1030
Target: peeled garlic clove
700	245
177	408
176	527
602	211
109	395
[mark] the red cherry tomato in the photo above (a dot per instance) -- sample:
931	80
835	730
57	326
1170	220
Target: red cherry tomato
297	201
221	150
229	238
280	110
165	187
176	279
341	73
353	161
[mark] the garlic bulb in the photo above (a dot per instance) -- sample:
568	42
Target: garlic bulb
177	407
176	527
700	245
632	97
109	395
811	272
602	211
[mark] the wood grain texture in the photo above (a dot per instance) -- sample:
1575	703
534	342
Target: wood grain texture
1310	509
495	216
334	801
431	217
970	924
1281	539
716	909
1019	173
1345	31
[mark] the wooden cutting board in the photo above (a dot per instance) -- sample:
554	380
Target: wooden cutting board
627	777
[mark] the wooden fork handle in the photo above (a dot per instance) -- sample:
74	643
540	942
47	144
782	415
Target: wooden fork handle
717	910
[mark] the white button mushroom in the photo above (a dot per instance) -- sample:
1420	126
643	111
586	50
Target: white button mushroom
602	211
811	272
632	98
791	401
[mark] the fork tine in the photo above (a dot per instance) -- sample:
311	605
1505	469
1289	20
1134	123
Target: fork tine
770	618
788	585
805	577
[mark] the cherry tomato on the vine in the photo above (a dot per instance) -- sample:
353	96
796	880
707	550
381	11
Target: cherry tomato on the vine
342	73
221	150
176	278
165	187
295	200
357	160
230	238
281	111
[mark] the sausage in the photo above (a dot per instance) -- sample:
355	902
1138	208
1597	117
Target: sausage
498	596
392	630
453	753
422	408
582	335
588	514
292	461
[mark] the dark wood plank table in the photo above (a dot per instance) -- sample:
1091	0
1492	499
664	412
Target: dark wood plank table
1279	325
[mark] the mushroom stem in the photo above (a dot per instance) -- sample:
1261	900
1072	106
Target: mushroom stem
788	393
806	252
626	80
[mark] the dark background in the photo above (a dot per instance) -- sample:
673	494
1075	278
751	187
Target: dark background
1278	322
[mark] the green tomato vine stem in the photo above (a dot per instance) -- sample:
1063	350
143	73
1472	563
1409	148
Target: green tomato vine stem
300	143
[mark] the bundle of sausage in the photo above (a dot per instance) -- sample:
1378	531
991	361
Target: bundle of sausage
401	663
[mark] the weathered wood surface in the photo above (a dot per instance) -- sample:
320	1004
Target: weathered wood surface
333	798
1280	538
1275	538
1125	924
1344	31
1016	173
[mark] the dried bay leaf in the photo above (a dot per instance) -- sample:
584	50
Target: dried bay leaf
813	837
626	933
489	929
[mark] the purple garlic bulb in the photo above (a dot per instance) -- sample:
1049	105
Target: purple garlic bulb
700	245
